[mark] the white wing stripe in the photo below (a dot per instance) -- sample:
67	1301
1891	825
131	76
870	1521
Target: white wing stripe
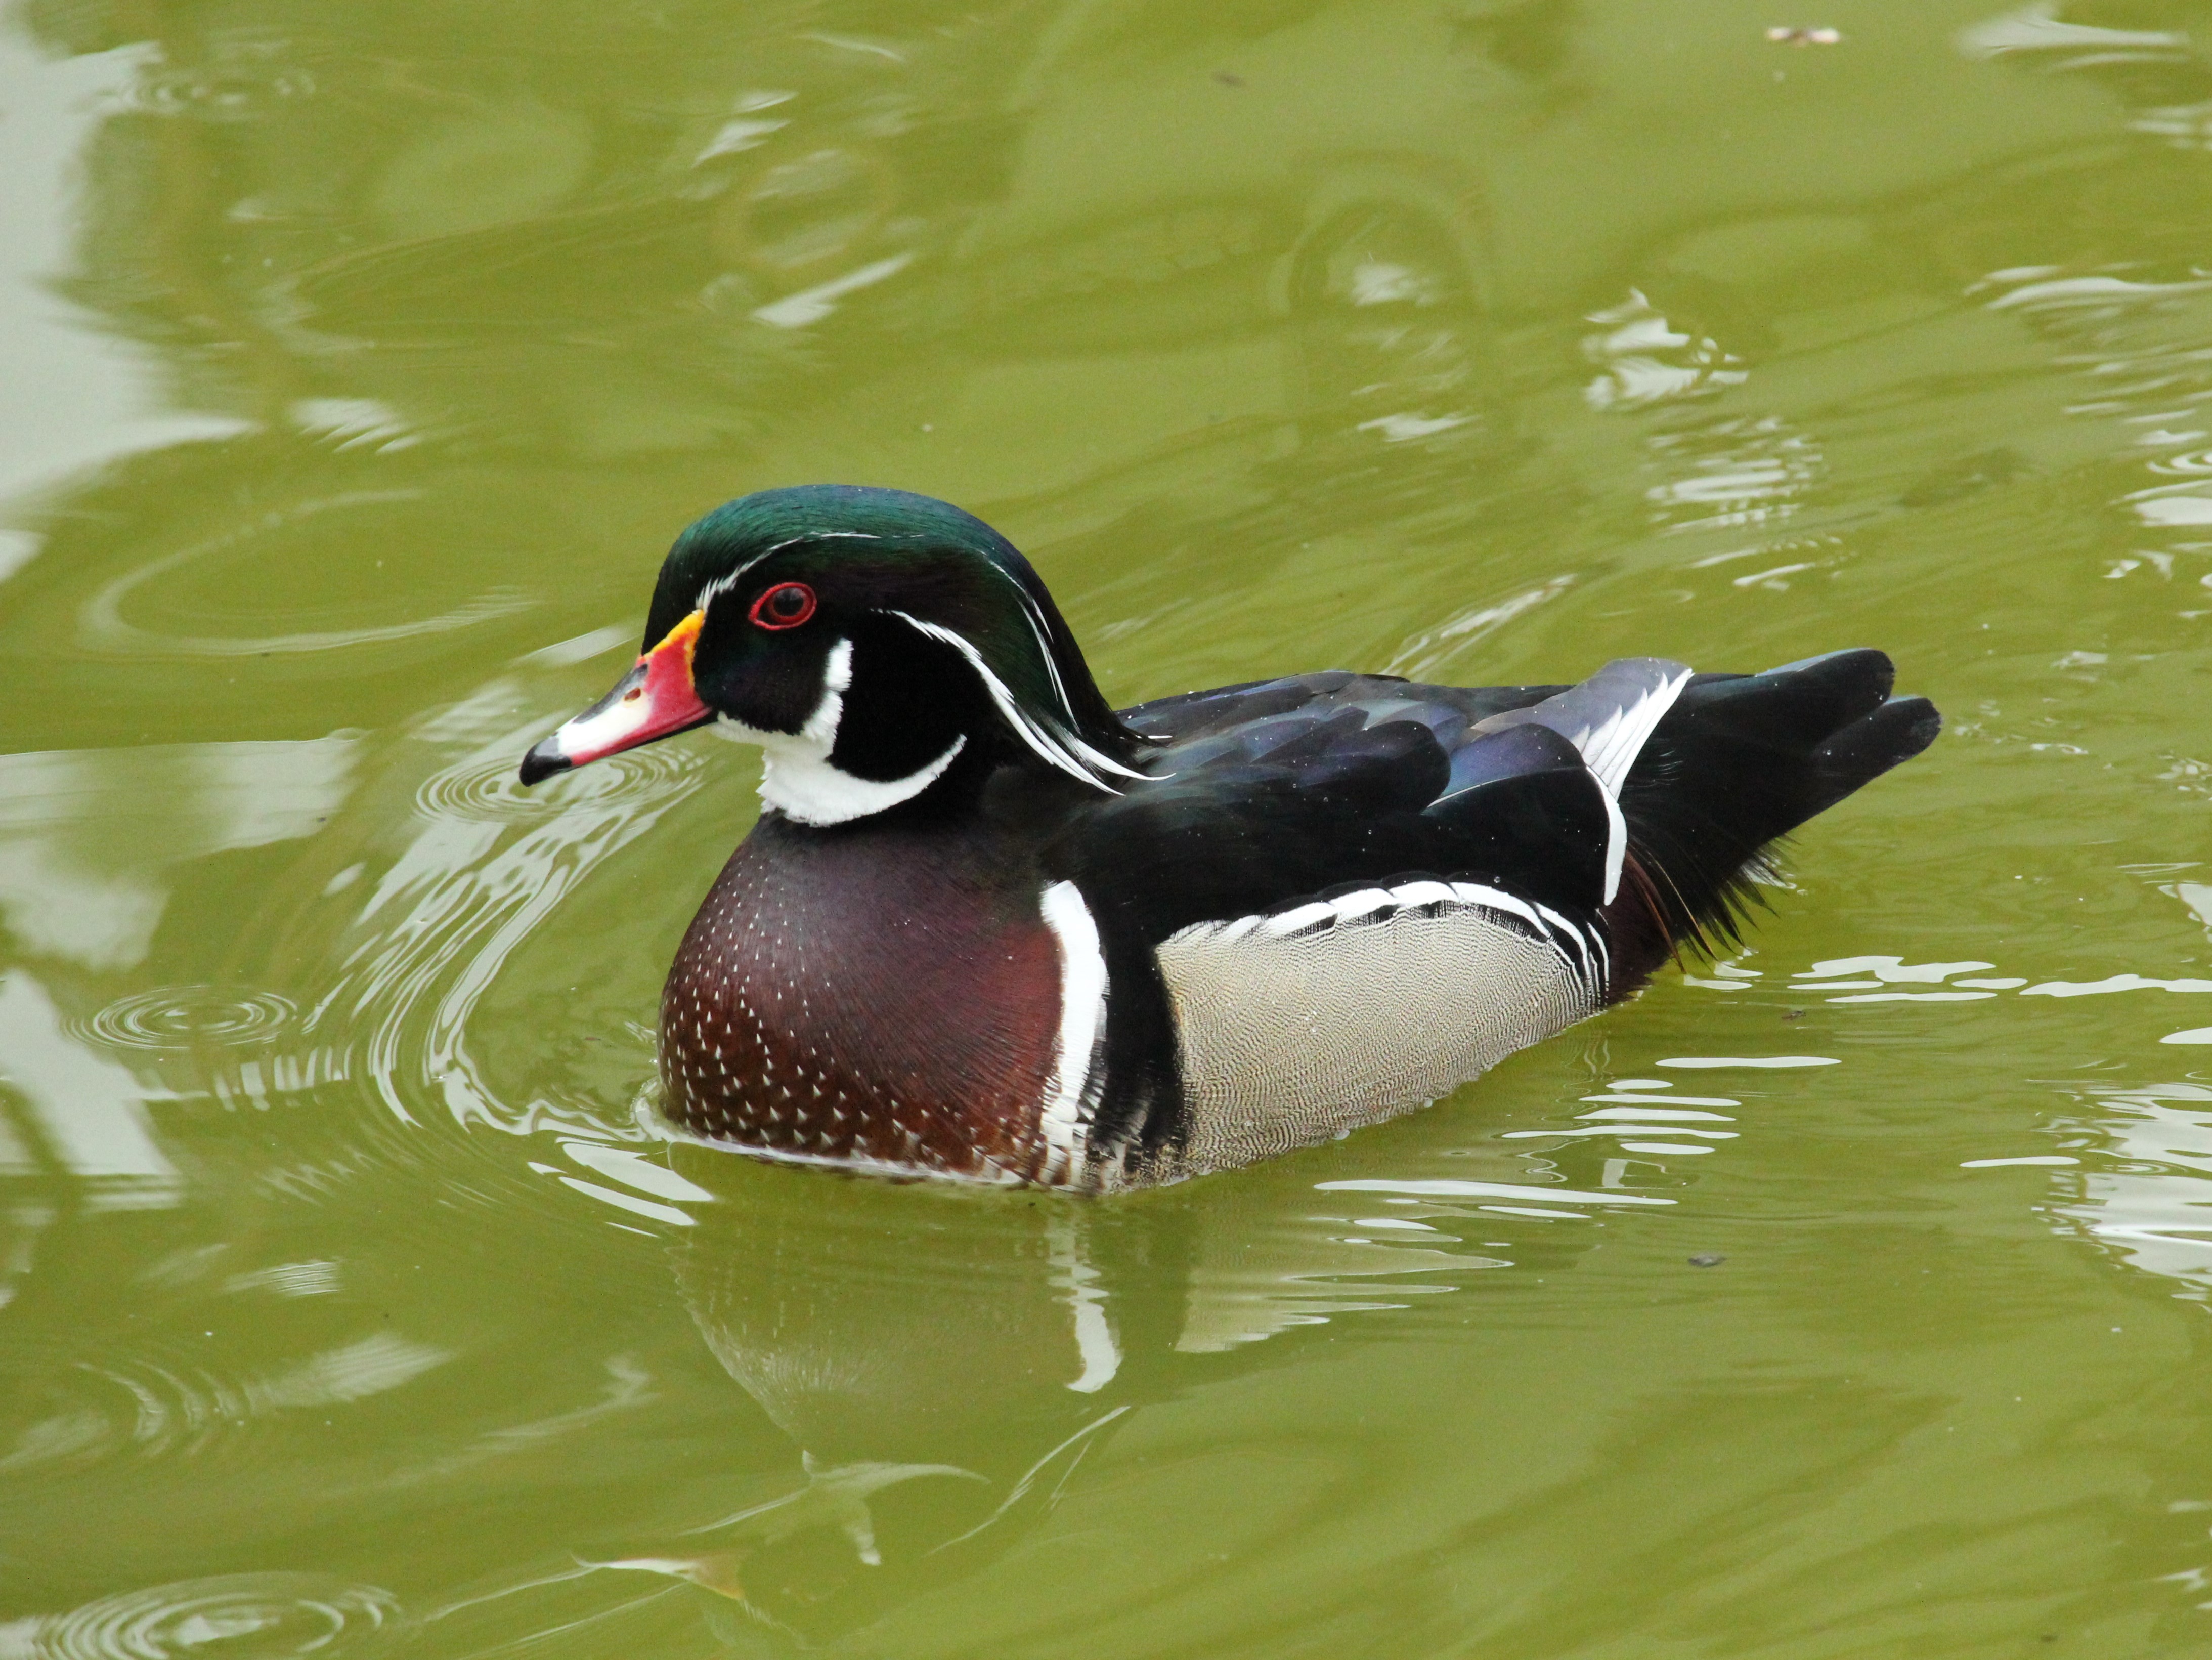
1613	748
1474	893
1579	947
1352	907
1634	694
1304	916
1423	893
1616	844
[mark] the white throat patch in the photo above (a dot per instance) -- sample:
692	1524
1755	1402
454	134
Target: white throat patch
796	778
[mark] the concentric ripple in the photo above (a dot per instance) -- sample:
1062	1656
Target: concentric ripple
104	628
489	792
170	1019
151	1406
238	1616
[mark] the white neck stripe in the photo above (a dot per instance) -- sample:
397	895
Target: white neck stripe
797	777
805	786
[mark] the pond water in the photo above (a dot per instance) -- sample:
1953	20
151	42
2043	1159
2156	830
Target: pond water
1847	1296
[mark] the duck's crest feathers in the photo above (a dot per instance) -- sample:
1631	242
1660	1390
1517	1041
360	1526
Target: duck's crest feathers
940	571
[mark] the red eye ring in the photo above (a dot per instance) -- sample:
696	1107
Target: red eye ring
786	605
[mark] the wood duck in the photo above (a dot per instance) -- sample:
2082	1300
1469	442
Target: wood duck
988	926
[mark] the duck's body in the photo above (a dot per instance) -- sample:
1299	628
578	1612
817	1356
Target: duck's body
988	928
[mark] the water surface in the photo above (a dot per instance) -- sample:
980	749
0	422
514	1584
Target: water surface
1844	1297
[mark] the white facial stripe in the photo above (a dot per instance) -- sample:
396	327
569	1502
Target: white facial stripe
722	584
821	726
1059	747
1035	614
1066	1116
796	778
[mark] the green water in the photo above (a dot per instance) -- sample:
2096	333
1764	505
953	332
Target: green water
357	363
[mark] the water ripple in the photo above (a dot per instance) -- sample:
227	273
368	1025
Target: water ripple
161	1407
173	1018
237	1616
489	792
104	629
485	865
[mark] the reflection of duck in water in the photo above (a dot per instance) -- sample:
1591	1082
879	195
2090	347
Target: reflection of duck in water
940	1363
990	928
944	1362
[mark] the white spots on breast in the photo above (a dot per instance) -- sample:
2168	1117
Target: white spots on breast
767	1036
739	1064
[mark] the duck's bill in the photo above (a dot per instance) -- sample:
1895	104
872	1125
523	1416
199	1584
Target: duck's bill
655	699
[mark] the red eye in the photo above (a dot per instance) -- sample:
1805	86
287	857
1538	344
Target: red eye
783	606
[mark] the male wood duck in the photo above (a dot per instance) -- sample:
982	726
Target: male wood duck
987	927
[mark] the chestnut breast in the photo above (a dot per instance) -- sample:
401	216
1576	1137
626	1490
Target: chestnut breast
890	994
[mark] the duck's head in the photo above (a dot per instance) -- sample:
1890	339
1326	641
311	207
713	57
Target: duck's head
871	641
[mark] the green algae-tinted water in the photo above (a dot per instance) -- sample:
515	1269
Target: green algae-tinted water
357	361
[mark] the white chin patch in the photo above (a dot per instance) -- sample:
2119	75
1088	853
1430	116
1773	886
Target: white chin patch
796	778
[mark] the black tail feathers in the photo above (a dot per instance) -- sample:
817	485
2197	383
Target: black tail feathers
1741	760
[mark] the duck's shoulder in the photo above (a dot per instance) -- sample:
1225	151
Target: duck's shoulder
1262	795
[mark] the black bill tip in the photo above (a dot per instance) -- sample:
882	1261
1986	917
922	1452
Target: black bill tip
543	762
